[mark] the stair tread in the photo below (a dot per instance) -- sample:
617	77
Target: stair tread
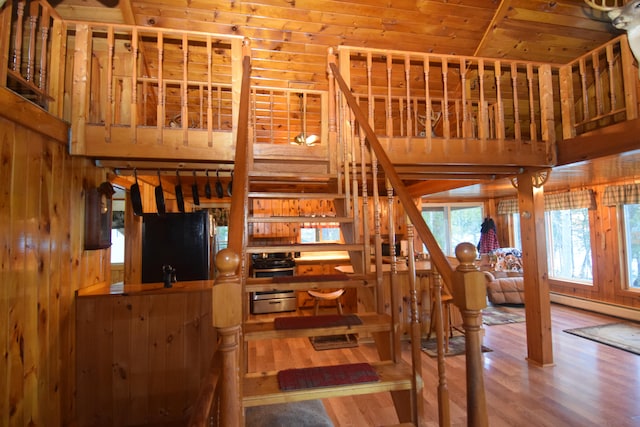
265	284
257	176
372	322
305	247
294	195
263	389
298	219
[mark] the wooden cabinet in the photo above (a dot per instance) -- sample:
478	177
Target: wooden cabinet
147	349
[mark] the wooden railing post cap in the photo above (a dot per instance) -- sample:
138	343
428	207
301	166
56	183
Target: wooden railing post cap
469	288
227	293
227	262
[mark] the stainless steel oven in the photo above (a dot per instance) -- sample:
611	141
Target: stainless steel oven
273	265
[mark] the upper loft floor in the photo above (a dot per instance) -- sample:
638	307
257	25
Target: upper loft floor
147	96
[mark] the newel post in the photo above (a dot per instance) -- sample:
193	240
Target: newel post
469	295
227	318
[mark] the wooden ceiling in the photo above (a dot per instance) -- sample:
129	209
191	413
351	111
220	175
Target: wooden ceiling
290	38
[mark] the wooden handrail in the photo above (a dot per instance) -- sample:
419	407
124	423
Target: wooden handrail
437	256
207	394
239	204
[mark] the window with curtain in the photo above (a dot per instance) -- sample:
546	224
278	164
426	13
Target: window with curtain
627	199
568	233
454	223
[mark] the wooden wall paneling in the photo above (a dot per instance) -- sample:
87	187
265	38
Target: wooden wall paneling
121	354
66	294
44	284
157	361
85	333
56	187
8	276
17	296
176	318
140	386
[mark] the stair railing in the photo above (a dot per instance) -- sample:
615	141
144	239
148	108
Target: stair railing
464	284
437	256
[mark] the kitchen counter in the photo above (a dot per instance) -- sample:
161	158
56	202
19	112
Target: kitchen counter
315	257
138	289
422	267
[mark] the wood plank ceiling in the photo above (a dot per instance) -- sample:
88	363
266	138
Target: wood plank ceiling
290	38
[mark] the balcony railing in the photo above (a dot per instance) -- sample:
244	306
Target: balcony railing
124	88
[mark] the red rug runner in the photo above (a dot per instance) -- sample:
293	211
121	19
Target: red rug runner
326	376
324	321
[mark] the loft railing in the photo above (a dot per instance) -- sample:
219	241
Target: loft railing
430	97
137	86
32	52
599	89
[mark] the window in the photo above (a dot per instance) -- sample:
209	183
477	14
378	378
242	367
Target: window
569	244
514	230
452	224
630	223
318	235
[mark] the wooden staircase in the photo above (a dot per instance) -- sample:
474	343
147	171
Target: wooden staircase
262	388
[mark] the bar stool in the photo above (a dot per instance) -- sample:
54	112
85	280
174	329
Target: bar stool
446	318
326	296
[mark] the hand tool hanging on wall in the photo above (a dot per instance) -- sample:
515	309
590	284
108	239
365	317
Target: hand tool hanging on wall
219	190
230	185
179	195
136	200
194	190
160	197
207	186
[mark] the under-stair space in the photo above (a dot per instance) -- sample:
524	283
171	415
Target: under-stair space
295	190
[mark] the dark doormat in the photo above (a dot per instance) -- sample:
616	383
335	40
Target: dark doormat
625	336
456	346
326	376
330	342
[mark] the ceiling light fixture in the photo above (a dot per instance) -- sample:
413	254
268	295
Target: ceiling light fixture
302	138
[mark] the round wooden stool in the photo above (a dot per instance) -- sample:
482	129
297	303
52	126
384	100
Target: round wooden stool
326	296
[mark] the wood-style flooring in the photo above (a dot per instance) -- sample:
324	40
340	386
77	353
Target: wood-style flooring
590	384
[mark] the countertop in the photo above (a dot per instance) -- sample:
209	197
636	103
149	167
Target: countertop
422	267
312	257
140	289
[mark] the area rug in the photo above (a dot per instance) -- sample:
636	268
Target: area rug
332	342
456	346
625	336
310	413
326	376
495	315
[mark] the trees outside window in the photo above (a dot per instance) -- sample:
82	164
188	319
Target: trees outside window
631	242
569	245
453	223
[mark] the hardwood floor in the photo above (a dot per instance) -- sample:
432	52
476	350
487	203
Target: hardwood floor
591	384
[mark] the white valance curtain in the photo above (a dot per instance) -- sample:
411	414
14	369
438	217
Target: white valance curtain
615	195
557	201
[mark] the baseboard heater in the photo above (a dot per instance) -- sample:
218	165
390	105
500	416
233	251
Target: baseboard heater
597	306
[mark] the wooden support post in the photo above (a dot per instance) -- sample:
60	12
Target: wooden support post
227	318
469	295
545	82
536	285
81	71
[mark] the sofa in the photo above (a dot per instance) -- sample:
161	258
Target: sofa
505	289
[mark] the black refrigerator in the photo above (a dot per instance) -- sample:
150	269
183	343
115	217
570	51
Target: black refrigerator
177	239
